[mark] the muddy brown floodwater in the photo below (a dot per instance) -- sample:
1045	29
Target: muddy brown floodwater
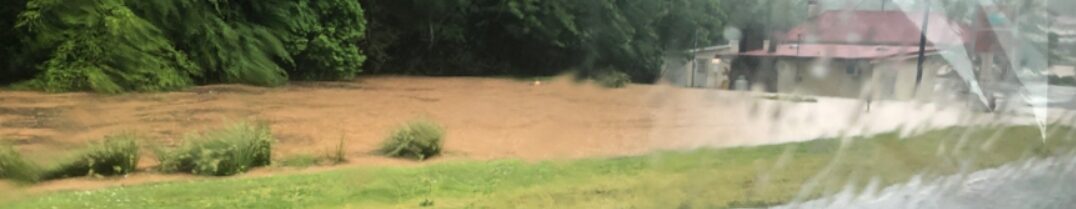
484	118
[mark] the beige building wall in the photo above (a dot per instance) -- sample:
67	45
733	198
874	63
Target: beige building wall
904	72
813	77
883	80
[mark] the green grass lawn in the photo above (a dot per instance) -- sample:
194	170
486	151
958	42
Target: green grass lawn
705	178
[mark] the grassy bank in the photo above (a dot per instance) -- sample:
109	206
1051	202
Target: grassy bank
706	178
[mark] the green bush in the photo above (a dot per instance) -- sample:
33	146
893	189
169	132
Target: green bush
117	155
98	45
14	167
417	140
222	152
612	79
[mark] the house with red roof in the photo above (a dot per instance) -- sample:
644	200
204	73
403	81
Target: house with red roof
850	53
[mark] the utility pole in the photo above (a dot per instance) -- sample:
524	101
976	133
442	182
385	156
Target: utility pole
922	47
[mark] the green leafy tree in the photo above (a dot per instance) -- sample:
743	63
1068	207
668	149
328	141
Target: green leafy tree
120	45
535	37
100	45
326	45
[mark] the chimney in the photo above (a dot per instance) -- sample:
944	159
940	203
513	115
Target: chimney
766	45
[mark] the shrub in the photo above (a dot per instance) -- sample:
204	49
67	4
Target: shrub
612	79
417	140
116	155
14	167
222	152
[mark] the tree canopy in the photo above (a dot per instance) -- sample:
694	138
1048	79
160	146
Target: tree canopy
129	45
120	45
535	37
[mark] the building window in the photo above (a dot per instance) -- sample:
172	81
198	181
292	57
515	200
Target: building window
850	68
853	69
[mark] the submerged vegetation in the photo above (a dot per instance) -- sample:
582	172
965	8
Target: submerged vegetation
417	140
222	152
13	166
529	37
706	178
116	155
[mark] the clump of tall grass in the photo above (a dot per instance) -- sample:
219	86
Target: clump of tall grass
612	79
338	155
221	152
116	155
14	167
417	139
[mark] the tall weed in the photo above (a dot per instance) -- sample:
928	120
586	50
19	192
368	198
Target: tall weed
14	167
221	152
116	155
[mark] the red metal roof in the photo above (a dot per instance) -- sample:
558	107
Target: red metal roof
878	28
838	51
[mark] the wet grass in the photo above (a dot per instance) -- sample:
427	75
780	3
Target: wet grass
704	178
299	161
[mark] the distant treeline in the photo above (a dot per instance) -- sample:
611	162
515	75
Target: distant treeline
534	37
160	45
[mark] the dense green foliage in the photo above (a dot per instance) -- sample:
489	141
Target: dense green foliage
99	45
612	79
535	37
221	152
121	45
743	177
116	155
417	140
125	45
